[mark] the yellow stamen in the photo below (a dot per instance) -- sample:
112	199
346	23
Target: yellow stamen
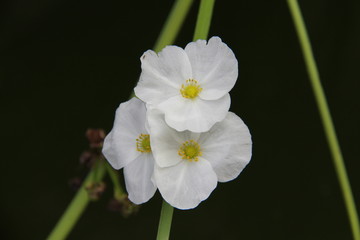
143	143
190	150
190	89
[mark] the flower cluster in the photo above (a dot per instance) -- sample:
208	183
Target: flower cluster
180	137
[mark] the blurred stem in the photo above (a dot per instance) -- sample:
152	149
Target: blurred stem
204	19
114	175
78	204
325	117
172	25
99	170
165	221
201	32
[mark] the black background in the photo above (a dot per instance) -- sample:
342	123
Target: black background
66	65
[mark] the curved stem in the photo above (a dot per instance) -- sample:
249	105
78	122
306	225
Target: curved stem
325	117
78	204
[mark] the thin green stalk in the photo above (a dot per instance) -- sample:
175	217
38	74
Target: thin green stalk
201	32
173	24
165	221
204	19
114	175
77	205
100	170
325	117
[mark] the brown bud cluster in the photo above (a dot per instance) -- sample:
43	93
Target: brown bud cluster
95	137
123	206
95	190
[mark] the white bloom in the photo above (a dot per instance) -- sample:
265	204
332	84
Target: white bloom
190	86
189	165
128	146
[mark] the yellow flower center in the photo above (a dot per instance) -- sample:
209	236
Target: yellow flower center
143	143
190	150
190	89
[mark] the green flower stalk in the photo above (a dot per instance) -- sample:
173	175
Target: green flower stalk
204	19
165	221
325	117
173	24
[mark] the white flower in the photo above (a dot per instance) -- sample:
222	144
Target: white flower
190	86
128	146
189	165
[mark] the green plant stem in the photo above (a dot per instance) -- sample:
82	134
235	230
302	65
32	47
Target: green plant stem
165	221
201	32
204	19
99	170
173	24
325	117
78	204
114	175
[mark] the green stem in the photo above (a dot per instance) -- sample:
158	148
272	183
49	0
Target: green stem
77	205
100	170
173	24
204	19
325	117
114	175
165	221
201	32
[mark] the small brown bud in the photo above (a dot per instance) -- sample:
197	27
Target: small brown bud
75	183
87	158
124	206
95	190
95	137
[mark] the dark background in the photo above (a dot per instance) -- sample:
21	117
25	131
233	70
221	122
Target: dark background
66	65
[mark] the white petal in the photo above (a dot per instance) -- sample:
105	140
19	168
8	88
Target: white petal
162	74
227	146
195	115
186	184
120	144
165	141
214	66
138	178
